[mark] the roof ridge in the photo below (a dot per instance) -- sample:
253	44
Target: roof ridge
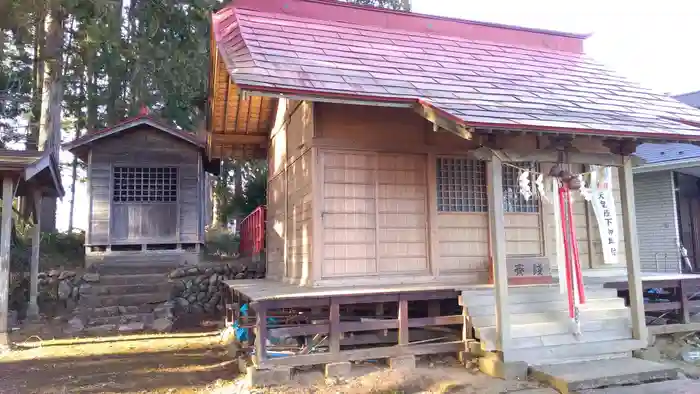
334	11
447	18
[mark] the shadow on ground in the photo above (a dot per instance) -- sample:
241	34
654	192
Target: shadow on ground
178	363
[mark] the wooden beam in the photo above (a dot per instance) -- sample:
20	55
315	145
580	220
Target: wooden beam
442	123
33	310
260	335
497	233
634	274
546	155
685	305
403	322
5	233
365	354
239	139
334	328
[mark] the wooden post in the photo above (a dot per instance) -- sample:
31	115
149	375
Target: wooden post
334	327
497	234
33	310
634	275
6	230
685	303
260	335
403	322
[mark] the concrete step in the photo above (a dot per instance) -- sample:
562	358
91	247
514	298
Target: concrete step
579	351
684	386
573	377
555	327
133	268
489	344
102	290
486	299
552	316
549	306
522	289
124	299
142	279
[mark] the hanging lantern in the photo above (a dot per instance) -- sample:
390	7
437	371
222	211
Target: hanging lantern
565	175
555	170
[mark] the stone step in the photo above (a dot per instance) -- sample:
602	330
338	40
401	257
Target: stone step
94	312
549	306
487	299
102	290
554	327
133	268
684	386
489	344
574	377
579	351
124	299
120	320
142	279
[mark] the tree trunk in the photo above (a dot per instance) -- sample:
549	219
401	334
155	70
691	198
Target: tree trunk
52	97
114	67
38	81
79	125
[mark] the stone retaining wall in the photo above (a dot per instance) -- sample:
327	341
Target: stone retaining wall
200	290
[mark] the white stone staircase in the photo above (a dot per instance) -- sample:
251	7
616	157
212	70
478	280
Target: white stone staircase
541	330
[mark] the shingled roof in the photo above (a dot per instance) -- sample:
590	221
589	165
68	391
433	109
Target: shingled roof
143	119
476	75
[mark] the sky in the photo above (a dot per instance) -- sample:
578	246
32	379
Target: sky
650	42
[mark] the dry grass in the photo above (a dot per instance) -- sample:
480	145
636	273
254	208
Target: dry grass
174	364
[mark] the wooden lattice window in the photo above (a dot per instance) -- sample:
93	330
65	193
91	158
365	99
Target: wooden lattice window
513	201
144	185
461	185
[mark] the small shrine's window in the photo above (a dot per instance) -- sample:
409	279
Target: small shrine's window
461	185
144	185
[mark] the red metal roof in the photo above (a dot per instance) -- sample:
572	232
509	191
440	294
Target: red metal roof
477	74
144	118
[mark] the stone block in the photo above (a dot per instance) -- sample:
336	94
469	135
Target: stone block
402	362
493	366
338	370
268	377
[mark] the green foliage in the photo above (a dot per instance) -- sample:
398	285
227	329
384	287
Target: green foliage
60	249
221	243
401	5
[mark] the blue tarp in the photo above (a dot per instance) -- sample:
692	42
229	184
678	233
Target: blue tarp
242	333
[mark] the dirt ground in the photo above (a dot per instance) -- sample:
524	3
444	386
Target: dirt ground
176	363
185	363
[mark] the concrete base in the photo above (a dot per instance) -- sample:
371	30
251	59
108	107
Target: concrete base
338	370
572	377
466	357
268	377
667	387
492	365
402	362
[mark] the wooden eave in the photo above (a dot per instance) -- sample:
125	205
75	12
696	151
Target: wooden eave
32	169
238	124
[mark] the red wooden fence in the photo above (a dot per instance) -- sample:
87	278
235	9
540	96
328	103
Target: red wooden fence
253	232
